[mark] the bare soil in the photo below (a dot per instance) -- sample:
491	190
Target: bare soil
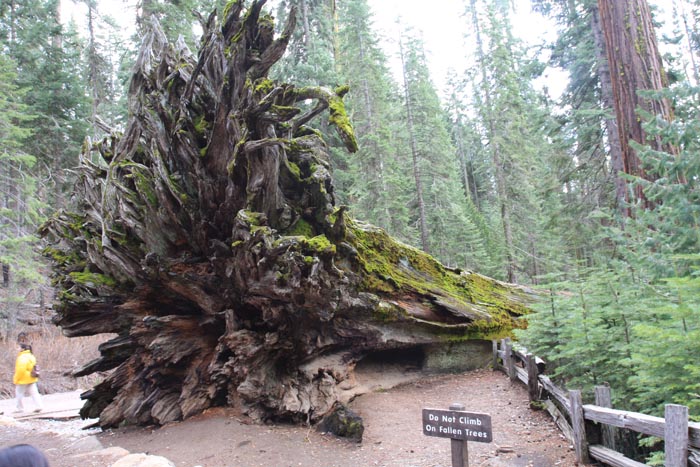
393	434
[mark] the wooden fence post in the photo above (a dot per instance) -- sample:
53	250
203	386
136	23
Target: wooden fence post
603	398
676	435
503	362
533	386
578	424
508	360
494	361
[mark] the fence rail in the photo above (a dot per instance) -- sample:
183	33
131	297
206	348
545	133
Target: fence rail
681	437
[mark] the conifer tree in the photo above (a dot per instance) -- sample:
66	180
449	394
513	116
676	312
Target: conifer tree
594	166
19	207
102	51
438	206
49	60
629	317
176	17
483	244
370	180
310	57
635	64
512	123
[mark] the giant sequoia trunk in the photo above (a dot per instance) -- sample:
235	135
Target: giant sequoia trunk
635	66
207	239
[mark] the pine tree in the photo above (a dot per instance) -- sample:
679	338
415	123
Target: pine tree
19	207
637	310
370	180
512	123
310	57
483	246
488	115
50	70
101	53
438	206
595	155
412	62
176	17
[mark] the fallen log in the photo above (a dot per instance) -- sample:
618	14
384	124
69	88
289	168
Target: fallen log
207	238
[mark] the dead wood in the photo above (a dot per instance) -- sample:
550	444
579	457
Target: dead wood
206	237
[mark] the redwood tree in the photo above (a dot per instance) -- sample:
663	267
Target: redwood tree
635	65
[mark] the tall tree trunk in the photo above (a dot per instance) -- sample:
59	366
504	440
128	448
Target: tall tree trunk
304	12
5	275
689	34
463	170
57	161
9	192
417	176
92	63
336	34
498	167
608	101
635	65
13	32
377	161
57	39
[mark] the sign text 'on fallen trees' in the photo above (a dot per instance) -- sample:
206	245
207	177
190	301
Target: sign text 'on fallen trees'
457	425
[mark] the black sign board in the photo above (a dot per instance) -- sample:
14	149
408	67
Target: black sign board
457	425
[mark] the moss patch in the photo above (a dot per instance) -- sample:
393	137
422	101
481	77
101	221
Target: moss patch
339	118
301	228
264	86
320	244
252	218
465	305
92	279
200	125
63	258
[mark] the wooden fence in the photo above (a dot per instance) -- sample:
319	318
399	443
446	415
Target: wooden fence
575	419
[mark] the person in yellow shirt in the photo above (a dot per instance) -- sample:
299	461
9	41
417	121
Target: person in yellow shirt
25	378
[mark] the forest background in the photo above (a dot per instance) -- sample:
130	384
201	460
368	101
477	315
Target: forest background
487	172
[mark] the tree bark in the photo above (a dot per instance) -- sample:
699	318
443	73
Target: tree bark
93	73
608	101
5	274
207	239
635	65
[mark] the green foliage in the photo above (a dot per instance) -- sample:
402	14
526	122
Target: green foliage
635	323
510	176
624	327
435	166
53	88
20	209
310	58
585	329
371	180
102	50
670	250
176	17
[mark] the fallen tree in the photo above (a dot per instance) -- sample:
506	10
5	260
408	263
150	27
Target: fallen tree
207	239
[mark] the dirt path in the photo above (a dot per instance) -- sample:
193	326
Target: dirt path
56	406
393	434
